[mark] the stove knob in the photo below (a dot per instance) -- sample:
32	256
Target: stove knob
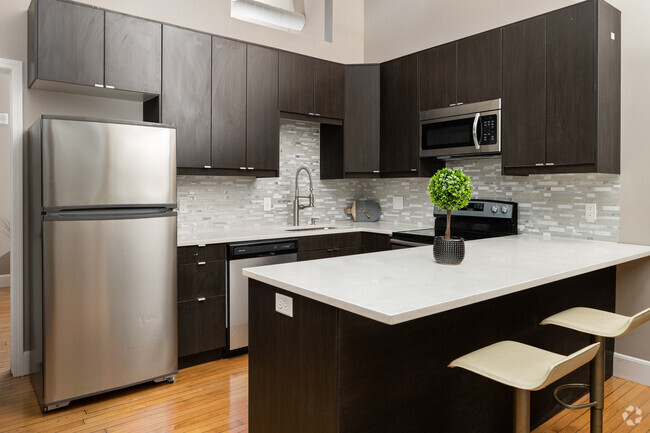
504	209
495	209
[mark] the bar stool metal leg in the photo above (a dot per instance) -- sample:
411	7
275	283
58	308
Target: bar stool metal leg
522	411
597	385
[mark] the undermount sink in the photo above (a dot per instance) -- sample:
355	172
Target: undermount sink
307	228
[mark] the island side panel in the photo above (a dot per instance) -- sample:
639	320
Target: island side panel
395	378
293	364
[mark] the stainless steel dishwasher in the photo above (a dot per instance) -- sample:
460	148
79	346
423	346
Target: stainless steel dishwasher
247	255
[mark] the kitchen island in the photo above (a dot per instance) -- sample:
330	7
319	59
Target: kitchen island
370	336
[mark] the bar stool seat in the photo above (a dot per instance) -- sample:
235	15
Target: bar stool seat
600	325
525	368
597	322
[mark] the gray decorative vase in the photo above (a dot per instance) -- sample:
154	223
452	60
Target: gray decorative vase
448	251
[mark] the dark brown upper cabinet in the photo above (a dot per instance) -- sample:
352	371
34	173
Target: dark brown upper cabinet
311	86
461	72
523	117
582	100
361	131
228	104
82	49
66	44
133	54
399	124
186	93
262	116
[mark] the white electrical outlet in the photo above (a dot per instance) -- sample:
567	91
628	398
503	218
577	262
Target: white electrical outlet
284	305
4	118
398	203
267	204
590	212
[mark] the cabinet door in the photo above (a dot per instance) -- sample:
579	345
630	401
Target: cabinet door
263	125
570	45
296	83
186	93
133	53
361	129
437	70
523	132
228	103
70	43
204	280
201	325
329	89
399	116
479	67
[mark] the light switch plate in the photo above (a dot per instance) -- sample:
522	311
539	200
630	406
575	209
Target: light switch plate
284	305
4	118
398	203
267	204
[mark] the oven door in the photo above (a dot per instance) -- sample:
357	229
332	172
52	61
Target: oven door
463	134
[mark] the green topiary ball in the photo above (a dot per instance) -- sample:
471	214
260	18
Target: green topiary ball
450	189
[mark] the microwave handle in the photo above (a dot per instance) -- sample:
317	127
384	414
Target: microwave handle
477	143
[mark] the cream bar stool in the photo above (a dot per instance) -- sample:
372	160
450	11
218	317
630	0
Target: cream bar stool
525	368
600	325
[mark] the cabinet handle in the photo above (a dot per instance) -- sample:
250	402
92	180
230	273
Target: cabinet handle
330	250
459	103
110	87
99	85
201	263
201	245
335	249
452	105
414	169
550	163
207	166
200	299
242	168
375	171
538	164
312	114
251	168
316	114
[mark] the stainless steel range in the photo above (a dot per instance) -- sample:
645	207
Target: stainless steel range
478	220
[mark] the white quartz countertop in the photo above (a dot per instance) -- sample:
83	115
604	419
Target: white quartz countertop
239	234
400	285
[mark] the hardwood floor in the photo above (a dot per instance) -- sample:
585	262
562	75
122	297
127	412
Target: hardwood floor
214	397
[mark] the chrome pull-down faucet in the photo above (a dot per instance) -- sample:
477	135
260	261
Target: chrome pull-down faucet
296	199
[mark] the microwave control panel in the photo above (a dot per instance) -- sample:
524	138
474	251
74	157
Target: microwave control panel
489	129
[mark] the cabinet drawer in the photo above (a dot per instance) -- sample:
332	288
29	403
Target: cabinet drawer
323	242
329	252
196	281
201	325
195	254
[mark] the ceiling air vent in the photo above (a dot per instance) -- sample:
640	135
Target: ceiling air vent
262	13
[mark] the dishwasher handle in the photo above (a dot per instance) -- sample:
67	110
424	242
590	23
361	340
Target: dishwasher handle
243	250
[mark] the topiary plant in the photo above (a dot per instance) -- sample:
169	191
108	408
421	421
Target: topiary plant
450	190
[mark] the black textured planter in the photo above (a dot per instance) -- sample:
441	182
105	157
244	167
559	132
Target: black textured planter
448	251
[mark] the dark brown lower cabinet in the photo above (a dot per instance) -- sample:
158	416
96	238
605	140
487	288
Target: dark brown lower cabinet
326	370
329	252
324	246
201	325
374	242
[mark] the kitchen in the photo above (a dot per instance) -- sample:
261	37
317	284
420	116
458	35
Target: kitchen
238	202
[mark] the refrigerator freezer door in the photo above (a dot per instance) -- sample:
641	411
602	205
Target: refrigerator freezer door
109	304
89	164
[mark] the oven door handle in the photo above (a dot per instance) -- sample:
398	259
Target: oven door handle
477	140
407	243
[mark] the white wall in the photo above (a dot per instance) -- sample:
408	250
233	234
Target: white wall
394	29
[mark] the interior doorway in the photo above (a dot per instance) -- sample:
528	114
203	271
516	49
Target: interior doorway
12	356
5	221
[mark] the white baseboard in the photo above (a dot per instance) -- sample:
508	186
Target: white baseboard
5	280
630	368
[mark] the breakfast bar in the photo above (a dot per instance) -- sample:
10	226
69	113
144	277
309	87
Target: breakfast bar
362	343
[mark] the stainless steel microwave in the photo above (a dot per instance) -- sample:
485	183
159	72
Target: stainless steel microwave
461	130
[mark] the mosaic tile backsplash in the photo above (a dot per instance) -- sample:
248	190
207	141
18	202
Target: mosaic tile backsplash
549	205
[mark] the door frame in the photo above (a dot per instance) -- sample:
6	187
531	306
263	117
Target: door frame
19	362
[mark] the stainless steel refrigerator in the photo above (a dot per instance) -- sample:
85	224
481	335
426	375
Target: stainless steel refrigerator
100	256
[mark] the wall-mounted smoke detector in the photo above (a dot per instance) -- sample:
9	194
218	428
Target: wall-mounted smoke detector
266	13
